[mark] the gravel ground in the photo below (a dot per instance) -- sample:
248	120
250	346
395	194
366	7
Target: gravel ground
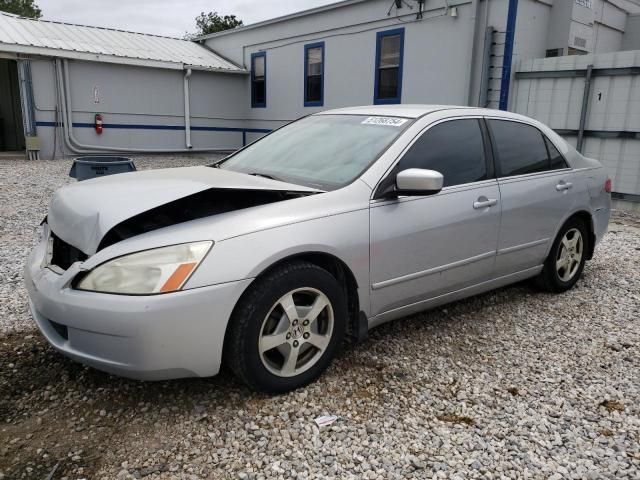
511	384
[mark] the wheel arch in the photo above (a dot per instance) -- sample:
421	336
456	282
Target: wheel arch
357	321
587	218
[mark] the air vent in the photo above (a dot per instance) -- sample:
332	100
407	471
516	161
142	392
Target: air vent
584	3
580	42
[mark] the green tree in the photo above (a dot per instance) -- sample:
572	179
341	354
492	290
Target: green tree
211	22
24	8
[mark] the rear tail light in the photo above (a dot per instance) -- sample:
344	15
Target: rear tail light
607	185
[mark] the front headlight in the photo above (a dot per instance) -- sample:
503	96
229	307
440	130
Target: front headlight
161	270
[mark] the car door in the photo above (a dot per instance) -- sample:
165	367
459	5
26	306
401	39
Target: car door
536	188
422	247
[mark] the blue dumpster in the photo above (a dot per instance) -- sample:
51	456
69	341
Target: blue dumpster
85	168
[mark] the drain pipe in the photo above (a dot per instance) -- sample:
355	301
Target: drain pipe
76	147
187	110
63	110
510	36
585	108
475	7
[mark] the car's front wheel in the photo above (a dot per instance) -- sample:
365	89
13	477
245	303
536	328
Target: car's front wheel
567	258
286	328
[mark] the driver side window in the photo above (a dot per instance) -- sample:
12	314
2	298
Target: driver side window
454	148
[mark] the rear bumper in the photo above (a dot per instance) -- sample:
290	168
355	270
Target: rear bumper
157	337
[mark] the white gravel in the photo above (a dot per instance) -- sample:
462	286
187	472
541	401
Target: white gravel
511	384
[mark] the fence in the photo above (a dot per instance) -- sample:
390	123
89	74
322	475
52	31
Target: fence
594	102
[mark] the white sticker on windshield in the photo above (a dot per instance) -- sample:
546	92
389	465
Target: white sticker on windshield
385	121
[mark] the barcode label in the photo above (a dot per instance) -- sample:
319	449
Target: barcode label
385	121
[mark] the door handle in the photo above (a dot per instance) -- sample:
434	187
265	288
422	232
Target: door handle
563	186
484	202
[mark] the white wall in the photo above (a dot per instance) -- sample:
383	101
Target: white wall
137	98
436	57
436	61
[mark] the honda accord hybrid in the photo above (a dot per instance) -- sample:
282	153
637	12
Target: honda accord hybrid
271	258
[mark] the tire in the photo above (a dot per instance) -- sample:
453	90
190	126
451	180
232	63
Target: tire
556	278
274	347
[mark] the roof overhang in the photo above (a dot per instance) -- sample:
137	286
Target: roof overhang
8	50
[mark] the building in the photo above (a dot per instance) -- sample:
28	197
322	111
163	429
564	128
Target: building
151	93
446	51
227	89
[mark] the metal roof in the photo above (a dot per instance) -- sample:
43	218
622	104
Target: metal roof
43	37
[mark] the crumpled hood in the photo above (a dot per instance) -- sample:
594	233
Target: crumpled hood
82	213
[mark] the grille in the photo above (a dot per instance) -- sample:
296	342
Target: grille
64	255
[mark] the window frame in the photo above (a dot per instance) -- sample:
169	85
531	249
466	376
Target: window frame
313	103
381	189
548	141
255	104
544	138
376	85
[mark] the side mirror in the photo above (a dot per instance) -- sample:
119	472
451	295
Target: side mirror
418	181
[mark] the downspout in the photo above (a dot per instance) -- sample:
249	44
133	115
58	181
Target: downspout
586	95
76	147
510	36
25	88
187	110
63	110
475	6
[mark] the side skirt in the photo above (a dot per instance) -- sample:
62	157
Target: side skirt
453	296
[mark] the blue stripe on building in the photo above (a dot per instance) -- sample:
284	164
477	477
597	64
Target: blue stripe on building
133	126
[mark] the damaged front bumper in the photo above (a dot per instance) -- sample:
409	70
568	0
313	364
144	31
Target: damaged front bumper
153	337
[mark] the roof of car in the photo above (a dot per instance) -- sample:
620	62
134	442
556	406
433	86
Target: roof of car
415	111
402	110
410	111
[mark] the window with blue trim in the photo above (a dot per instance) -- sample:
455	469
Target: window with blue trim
389	59
259	80
314	74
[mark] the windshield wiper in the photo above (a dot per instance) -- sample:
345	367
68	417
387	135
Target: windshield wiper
264	175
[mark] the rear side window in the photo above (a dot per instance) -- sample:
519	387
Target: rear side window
520	148
557	160
454	148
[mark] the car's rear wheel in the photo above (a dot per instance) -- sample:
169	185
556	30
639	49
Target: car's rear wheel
567	258
287	328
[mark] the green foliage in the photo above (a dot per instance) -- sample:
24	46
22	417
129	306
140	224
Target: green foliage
211	22
24	8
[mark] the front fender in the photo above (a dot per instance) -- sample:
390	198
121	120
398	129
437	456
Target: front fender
344	236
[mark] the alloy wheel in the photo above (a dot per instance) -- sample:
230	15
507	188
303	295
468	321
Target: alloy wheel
296	332
569	255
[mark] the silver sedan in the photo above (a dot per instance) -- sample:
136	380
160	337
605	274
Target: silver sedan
271	258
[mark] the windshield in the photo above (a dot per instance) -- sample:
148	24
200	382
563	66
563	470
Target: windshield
320	151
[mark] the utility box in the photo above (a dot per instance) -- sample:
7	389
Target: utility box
85	168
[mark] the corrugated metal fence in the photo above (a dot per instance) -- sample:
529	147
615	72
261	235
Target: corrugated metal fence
594	102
